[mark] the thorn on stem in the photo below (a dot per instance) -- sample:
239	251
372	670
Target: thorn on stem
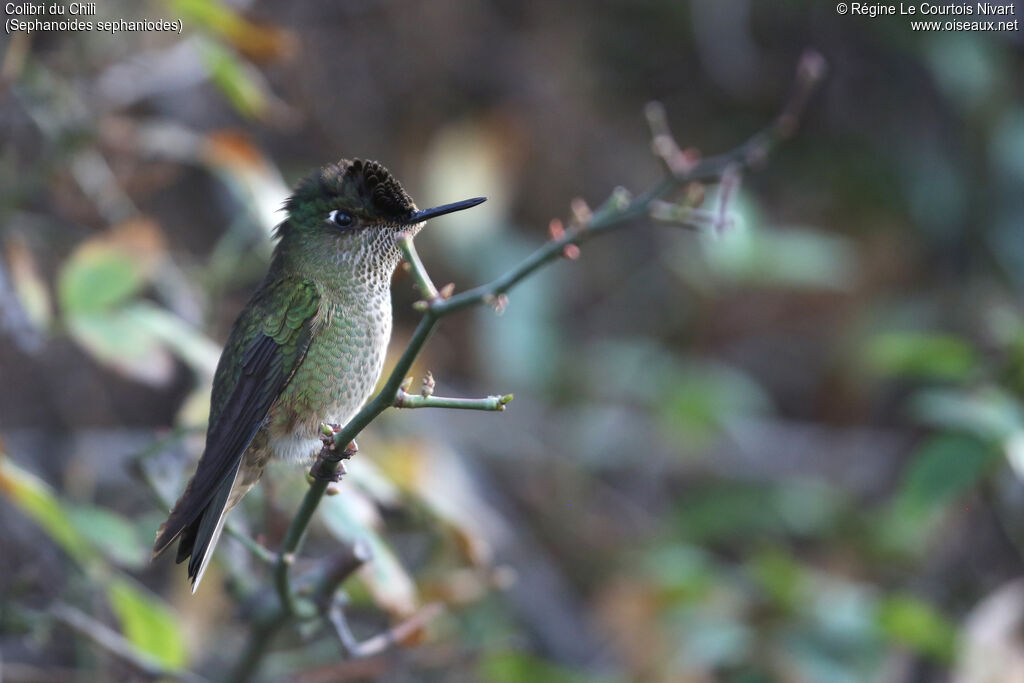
447	291
581	213
691	155
621	197
571	252
556	229
811	68
664	145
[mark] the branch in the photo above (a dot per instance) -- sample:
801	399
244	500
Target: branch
258	550
683	171
382	641
426	398
419	272
494	403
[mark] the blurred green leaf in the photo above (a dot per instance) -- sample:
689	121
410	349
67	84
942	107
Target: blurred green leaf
710	635
258	41
630	369
706	396
189	344
966	67
367	475
842	614
815	658
695	398
239	82
97	278
681	572
719	513
920	355
211	15
989	413
107	269
116	340
916	624
347	516
779	575
729	511
809	507
112	534
37	500
519	667
795	257
943	468
148	623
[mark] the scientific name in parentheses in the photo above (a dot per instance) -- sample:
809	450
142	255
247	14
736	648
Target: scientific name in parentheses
79	9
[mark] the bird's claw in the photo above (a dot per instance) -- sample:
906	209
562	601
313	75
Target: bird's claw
327	432
328	454
321	473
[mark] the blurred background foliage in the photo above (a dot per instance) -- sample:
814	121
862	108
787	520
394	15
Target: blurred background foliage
792	453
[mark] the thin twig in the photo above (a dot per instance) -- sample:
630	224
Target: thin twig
374	645
258	550
423	280
426	399
495	403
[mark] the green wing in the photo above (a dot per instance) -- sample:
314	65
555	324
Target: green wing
268	343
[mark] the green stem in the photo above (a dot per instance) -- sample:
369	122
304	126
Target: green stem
419	272
407	400
250	544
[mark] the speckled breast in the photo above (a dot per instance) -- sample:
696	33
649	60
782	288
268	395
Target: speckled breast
338	374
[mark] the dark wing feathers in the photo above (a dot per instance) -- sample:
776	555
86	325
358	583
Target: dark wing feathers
273	336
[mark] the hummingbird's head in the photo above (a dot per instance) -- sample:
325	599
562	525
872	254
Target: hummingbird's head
354	212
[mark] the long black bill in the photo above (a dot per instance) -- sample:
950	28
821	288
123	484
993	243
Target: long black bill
425	214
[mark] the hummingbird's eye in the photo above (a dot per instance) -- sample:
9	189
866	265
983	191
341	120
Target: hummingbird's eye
340	218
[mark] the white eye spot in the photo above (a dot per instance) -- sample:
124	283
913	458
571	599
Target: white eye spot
340	218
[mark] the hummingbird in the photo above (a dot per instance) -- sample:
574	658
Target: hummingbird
307	349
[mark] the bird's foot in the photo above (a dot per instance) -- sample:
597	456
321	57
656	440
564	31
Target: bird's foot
327	432
330	455
321	472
